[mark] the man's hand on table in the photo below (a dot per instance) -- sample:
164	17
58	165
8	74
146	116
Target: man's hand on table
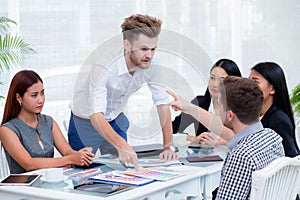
168	154
128	155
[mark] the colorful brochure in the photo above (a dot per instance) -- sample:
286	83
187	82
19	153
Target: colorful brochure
112	177
159	175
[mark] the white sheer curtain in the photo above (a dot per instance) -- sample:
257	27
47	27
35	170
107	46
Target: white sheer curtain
64	33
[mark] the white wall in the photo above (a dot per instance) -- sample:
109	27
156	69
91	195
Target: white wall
64	33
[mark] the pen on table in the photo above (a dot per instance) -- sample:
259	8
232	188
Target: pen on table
124	165
138	168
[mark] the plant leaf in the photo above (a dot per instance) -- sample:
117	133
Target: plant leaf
5	24
295	101
12	50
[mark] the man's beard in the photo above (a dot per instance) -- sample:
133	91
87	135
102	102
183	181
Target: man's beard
139	63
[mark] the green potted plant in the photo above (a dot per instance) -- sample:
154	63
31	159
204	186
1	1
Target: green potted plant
295	101
12	47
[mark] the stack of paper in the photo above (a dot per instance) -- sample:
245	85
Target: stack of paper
77	174
155	163
159	175
133	177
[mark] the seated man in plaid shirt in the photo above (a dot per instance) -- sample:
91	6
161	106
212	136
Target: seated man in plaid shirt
253	147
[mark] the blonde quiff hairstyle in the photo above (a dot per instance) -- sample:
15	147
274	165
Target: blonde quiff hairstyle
140	24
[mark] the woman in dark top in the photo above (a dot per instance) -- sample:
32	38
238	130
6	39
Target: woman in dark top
277	112
221	69
28	136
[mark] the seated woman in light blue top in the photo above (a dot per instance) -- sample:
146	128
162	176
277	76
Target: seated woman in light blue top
28	136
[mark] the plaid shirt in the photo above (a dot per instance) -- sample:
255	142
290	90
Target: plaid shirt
252	149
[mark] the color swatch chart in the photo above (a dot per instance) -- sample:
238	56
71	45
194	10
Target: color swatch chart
111	177
154	174
154	163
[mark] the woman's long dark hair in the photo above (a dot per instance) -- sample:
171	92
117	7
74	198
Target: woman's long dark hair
230	68
274	74
19	84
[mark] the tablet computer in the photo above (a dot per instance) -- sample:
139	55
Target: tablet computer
106	188
20	179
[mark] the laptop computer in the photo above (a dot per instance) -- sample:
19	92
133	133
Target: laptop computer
144	150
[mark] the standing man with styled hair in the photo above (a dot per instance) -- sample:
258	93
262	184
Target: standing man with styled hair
97	118
253	147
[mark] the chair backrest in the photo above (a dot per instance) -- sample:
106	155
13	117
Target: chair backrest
298	157
279	180
4	168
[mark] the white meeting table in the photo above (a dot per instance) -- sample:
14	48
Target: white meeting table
199	181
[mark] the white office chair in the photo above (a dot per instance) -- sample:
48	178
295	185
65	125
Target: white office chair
280	180
4	168
298	157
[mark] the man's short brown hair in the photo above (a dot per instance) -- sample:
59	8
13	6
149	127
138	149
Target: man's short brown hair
243	96
140	24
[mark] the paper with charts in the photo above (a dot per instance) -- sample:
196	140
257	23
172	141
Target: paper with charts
113	177
155	174
146	162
